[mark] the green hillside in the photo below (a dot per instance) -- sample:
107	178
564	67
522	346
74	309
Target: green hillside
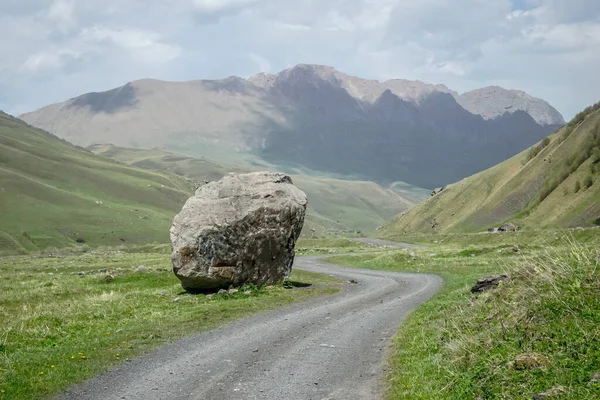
53	194
555	183
335	205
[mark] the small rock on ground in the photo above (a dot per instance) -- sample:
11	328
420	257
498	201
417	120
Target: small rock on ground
488	282
595	378
530	361
554	392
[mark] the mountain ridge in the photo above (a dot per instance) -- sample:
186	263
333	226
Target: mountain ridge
306	116
553	184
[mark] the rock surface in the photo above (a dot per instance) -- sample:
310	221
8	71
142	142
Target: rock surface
493	101
508	228
556	391
489	282
241	229
437	191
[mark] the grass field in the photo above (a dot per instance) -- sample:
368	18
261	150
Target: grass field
536	332
64	321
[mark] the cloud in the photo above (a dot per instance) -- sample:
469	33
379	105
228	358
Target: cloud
550	48
145	46
211	6
211	11
46	61
62	14
263	64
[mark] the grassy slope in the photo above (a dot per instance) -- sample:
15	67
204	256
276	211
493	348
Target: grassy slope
49	189
511	191
461	346
59	327
334	205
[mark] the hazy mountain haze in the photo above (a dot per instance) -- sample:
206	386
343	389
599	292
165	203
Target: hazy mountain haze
314	117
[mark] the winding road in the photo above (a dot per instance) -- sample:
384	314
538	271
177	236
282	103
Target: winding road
330	348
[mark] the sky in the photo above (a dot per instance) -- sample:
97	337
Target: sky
53	50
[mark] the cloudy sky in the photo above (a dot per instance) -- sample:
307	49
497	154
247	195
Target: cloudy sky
52	50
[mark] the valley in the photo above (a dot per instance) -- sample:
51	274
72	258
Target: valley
401	188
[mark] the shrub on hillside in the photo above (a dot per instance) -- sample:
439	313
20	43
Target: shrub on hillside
551	185
578	119
596	158
589	181
535	150
577	187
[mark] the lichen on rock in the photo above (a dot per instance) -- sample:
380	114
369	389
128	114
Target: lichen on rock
240	229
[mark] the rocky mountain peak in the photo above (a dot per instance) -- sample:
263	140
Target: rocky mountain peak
493	101
263	79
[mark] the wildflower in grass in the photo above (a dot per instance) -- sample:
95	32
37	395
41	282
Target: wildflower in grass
72	357
1	390
108	333
52	366
41	372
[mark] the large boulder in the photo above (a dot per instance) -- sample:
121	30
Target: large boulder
241	229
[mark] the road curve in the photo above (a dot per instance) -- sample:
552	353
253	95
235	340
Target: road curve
330	348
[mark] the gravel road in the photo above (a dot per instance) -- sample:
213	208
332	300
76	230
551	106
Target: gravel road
329	348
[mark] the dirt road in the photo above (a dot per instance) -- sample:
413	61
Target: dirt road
331	348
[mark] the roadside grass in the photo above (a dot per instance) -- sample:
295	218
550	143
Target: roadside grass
538	331
64	319
320	246
545	237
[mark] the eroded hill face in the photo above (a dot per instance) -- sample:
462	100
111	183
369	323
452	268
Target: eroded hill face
555	183
313	117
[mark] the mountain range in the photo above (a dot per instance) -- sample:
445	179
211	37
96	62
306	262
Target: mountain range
315	118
